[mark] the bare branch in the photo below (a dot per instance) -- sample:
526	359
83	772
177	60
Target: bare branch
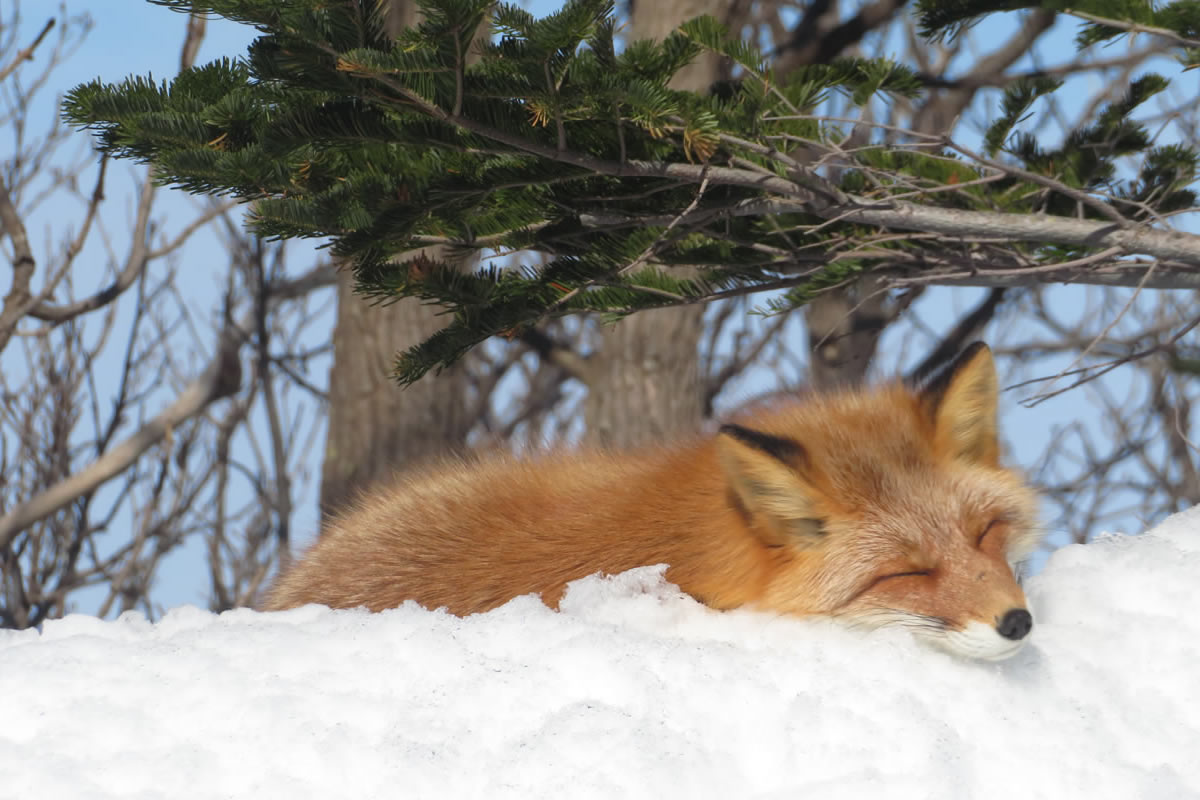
819	38
17	300
964	332
996	80
27	53
1167	245
135	262
1086	374
196	27
561	356
219	379
214	211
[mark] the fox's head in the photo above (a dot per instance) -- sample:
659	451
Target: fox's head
890	507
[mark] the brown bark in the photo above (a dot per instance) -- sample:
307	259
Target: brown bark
375	427
844	327
647	377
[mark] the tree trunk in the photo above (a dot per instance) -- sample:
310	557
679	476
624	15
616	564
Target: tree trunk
646	379
375	427
844	326
646	382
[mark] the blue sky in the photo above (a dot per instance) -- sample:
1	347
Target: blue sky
134	37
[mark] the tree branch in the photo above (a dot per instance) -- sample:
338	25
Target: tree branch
1166	245
967	330
1081	197
27	53
811	45
220	379
1133	27
565	358
17	301
135	262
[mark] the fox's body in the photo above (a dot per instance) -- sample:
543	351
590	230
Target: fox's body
884	506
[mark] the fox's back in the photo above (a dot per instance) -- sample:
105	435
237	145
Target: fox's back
472	535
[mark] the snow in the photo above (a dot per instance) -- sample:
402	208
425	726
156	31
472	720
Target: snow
632	691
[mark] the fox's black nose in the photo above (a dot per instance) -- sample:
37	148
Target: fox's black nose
1016	624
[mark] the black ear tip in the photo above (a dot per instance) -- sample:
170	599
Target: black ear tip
780	447
740	432
973	349
931	387
935	382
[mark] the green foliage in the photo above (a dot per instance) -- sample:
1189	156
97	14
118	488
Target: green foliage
837	274
545	137
1182	17
1087	157
1163	185
943	19
712	35
1187	366
1017	99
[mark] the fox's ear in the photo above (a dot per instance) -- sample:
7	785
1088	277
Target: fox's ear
962	403
766	472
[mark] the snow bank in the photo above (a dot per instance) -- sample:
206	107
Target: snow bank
632	691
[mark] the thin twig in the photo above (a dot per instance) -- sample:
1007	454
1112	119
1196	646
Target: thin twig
27	53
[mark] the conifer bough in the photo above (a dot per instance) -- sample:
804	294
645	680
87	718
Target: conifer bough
548	149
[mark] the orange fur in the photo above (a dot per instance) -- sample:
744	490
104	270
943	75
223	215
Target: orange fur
823	507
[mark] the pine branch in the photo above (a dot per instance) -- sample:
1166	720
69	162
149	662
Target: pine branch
552	141
1130	26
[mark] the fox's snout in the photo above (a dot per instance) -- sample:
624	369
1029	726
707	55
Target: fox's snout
1015	624
979	640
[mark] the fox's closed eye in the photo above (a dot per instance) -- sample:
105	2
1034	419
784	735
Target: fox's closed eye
876	581
990	526
902	575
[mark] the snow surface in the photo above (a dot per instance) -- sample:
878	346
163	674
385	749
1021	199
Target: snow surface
632	691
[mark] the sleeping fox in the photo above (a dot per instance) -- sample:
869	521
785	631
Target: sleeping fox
883	506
